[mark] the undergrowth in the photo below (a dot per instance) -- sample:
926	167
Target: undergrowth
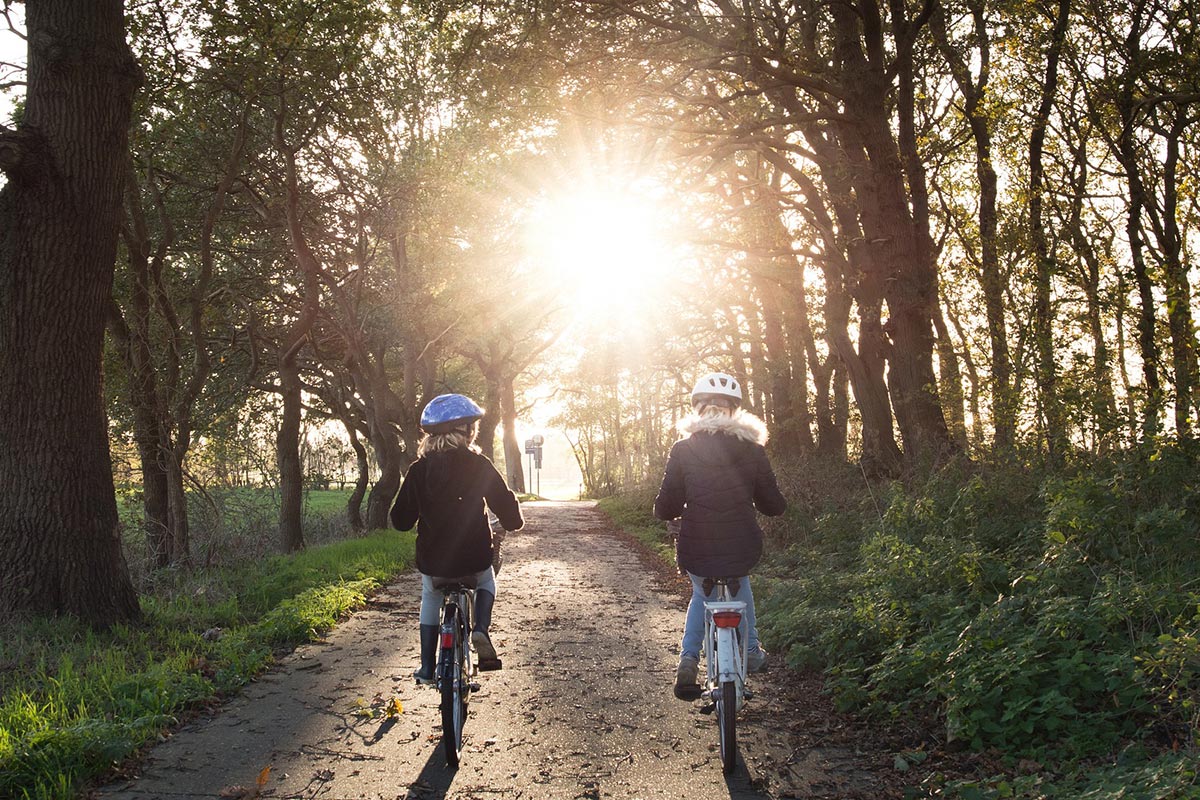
74	702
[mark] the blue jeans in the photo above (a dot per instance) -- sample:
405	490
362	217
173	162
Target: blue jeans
693	625
431	598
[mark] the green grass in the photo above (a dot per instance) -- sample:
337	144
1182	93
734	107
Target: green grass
317	502
73	702
328	502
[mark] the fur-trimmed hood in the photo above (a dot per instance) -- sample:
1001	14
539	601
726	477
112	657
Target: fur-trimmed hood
742	425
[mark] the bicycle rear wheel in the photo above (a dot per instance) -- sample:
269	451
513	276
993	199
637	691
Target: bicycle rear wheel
454	689
727	725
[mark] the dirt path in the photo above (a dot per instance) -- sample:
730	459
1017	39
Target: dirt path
583	708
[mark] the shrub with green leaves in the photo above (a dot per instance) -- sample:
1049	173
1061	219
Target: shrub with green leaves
1049	615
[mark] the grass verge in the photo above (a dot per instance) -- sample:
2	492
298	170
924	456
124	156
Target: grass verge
75	702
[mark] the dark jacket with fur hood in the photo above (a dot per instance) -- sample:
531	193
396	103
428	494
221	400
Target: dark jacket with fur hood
716	477
443	495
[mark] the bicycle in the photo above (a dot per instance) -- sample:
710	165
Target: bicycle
725	663
456	664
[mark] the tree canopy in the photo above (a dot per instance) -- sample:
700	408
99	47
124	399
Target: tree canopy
918	232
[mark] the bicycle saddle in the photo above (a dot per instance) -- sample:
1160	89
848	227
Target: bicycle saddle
710	583
454	584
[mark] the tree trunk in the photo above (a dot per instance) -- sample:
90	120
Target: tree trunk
841	416
513	454
287	444
491	405
1104	402
354	503
805	361
181	552
1178	288
881	457
897	257
65	165
1043	313
390	458
1004	400
737	357
149	434
778	366
973	381
156	507
845	264
754	390
952	393
1128	109
1122	357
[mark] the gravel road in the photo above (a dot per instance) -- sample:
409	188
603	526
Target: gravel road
582	709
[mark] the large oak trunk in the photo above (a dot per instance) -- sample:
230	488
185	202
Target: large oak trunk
58	239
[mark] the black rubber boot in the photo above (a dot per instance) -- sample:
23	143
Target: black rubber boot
429	646
483	621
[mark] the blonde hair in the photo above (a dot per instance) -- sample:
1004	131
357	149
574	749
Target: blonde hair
450	440
712	410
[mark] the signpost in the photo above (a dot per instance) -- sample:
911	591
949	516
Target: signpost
533	447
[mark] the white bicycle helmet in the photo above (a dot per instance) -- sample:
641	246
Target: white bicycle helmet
717	384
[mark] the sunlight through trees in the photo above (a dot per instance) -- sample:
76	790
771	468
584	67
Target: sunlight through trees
918	233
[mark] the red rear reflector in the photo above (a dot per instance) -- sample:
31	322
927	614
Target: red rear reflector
448	640
727	619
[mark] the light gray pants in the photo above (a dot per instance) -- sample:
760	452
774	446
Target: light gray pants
431	598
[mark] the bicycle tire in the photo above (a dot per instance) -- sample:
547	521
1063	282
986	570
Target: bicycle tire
454	700
727	725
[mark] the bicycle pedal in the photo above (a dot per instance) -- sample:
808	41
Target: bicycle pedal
490	664
708	709
474	687
747	694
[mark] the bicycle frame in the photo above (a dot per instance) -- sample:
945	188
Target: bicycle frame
457	603
725	688
726	642
456	666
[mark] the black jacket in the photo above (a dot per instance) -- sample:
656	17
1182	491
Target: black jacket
443	495
715	479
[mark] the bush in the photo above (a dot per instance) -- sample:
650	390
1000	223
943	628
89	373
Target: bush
1050	615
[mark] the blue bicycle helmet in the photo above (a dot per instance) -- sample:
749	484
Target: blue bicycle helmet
449	411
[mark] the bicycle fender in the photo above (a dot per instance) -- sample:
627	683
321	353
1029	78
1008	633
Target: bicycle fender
728	653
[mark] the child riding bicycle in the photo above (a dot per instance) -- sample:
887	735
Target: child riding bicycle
444	494
716	477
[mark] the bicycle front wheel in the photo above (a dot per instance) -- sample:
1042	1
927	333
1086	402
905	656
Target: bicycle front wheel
727	725
454	694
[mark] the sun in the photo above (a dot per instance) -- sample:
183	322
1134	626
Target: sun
604	248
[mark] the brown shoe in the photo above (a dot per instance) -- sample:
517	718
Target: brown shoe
686	686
